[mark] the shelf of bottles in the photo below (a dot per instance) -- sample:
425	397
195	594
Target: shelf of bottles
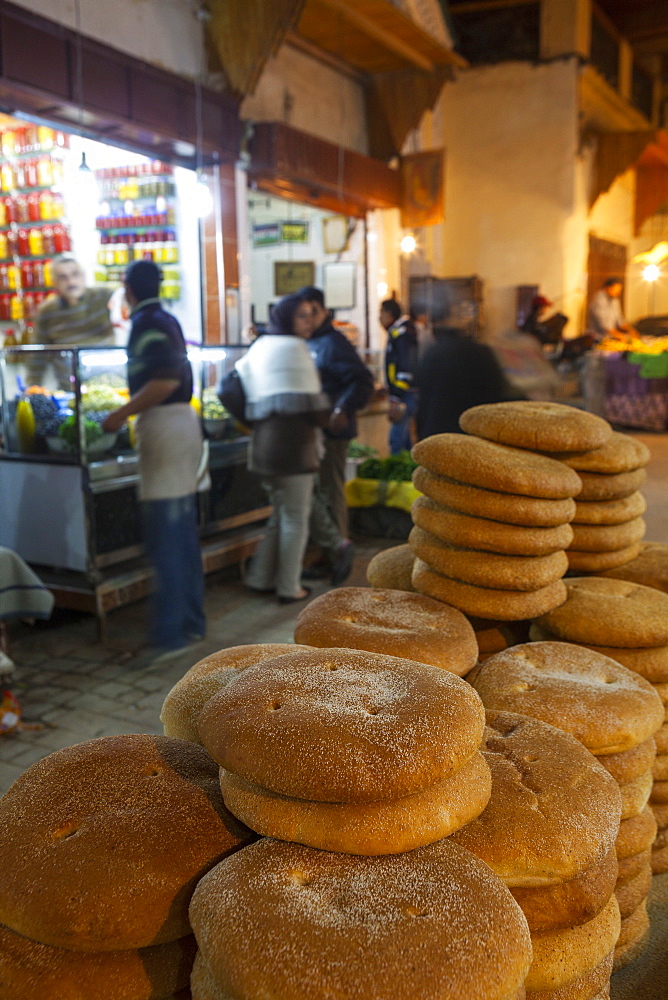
33	229
137	221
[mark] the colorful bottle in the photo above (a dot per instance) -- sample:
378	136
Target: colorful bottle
25	426
36	242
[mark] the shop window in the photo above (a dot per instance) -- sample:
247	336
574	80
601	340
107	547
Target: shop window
642	90
604	51
497	35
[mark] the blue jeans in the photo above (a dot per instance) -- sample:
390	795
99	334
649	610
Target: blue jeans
172	542
400	434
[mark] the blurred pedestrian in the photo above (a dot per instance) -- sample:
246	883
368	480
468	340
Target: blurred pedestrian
401	354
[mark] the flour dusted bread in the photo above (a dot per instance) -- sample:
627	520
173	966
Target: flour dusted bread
392	568
537	425
599	486
492	504
433	923
189	695
620	453
650	662
103	842
610	511
33	971
496	467
630	764
390	621
351	726
602	704
554	811
649	568
389	826
562	956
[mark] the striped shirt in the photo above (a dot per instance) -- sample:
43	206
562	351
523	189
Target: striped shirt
86	322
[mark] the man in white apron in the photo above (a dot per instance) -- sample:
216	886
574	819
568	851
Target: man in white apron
169	441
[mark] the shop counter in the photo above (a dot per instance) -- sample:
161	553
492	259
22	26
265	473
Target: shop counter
628	388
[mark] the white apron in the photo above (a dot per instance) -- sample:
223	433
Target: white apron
171	452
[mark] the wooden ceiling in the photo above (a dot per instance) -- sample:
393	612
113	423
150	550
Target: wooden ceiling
644	23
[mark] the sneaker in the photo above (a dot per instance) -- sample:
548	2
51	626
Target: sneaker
342	563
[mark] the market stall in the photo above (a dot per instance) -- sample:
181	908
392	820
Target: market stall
627	382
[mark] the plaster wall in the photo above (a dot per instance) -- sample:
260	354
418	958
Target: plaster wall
309	95
510	136
162	32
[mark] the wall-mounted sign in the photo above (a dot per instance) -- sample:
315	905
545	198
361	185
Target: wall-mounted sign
266	234
291	275
294	232
422	188
339	284
335	233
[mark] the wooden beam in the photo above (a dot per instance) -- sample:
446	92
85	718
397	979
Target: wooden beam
478	5
380	35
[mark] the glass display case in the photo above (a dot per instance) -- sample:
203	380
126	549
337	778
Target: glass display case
68	490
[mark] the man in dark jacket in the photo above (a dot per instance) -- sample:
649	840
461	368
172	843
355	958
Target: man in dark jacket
401	353
348	383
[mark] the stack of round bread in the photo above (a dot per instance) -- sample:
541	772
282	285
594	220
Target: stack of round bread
491	528
102	845
628	622
649	568
349	751
614	713
390	621
285	921
549	832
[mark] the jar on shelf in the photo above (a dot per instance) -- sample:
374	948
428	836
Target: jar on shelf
19	174
7	177
16	307
5	307
36	242
34	207
31	174
4	278
42	273
48	243
27	274
45	137
3	247
28	306
44	171
46	205
10	209
13	276
31	139
22	243
8	143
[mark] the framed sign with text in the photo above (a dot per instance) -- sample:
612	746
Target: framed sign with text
291	275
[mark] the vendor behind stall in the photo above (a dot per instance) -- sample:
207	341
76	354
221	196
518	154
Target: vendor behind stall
76	316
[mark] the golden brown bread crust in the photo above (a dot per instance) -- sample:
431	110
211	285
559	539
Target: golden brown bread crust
490	504
487	602
104	842
649	567
620	453
33	971
537	425
631	763
596	979
469	532
344	917
660	813
635	795
635	926
390	621
660	768
632	891
553	813
567	904
602	704
609	612
598	562
661	739
610	511
351	726
627	954
391	569
636	834
562	956
190	694
634	864
659	860
203	985
600	486
496	467
487	569
650	662
659	792
368	828
598	538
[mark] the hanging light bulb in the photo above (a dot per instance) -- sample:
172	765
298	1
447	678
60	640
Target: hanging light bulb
408	244
203	198
651	272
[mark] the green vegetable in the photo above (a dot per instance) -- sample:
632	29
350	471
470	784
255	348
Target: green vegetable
69	433
396	467
358	450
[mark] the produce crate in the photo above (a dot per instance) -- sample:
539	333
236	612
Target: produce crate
631	398
380	508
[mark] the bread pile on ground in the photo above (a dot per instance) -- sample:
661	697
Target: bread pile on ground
102	845
628	622
549	832
615	714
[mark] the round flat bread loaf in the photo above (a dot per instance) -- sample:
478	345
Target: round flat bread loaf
598	562
635	795
630	866
492	505
390	621
636	834
620	453
34	971
493	636
469	532
391	569
660	814
104	842
562	956
342	725
610	511
599	486
607	537
649	568
486	602
190	694
203	985
631	893
634	927
660	860
600	703
495	467
609	612
661	739
651	663
390	826
553	813
487	569
627	954
659	792
597	979
660	768
537	425
344	916
631	763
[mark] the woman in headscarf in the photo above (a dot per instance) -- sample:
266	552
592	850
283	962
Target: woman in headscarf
285	407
